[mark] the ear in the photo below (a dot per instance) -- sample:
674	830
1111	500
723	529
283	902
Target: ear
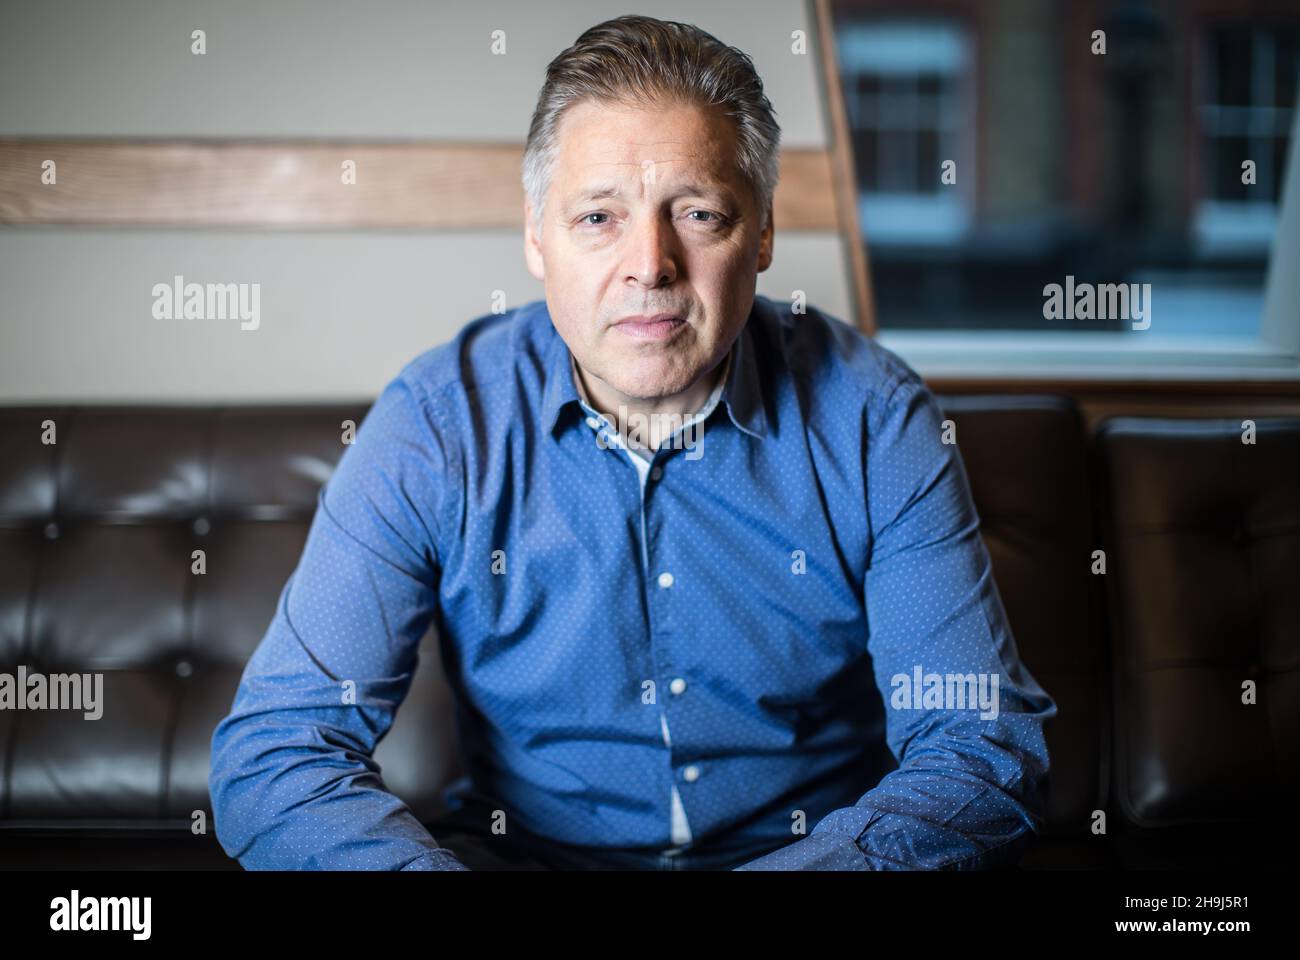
532	243
765	242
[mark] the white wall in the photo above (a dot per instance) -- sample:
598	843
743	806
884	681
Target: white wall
341	311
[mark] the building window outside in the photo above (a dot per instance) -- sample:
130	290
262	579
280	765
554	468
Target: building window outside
1250	82
905	89
1167	207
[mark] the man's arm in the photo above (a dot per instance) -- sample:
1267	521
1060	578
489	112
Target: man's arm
969	789
293	781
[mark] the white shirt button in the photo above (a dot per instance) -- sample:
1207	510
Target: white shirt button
691	773
665	579
656	473
678	685
593	422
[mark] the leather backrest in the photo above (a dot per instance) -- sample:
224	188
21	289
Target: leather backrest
97	533
1204	583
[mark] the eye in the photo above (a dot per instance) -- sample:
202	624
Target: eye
584	219
717	218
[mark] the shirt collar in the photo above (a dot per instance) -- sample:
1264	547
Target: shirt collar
741	392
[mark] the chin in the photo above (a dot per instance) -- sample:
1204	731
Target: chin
637	389
650	381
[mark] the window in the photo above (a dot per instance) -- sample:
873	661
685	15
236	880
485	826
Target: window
1116	167
1251	78
903	85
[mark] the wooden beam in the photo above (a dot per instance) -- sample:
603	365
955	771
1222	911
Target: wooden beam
299	185
844	172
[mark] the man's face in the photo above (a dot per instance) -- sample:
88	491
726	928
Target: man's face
646	214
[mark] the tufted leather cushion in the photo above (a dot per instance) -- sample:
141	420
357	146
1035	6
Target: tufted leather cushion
96	534
1204	580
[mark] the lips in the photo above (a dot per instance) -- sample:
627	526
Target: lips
653	326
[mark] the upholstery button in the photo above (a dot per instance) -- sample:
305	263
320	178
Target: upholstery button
656	473
183	668
665	579
51	531
678	685
691	773
201	526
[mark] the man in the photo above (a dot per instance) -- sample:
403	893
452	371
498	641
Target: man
703	568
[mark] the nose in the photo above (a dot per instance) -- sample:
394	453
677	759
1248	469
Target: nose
651	255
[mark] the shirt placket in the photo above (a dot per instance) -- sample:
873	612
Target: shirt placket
679	826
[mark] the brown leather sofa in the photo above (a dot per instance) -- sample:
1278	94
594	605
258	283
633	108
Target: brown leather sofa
1201	593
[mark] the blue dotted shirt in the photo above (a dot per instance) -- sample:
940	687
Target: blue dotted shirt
798	589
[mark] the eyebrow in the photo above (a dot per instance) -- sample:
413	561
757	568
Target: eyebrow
603	191
599	191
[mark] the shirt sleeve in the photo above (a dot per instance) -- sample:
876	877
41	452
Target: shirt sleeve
293	781
969	789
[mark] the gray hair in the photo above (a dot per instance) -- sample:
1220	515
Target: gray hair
641	60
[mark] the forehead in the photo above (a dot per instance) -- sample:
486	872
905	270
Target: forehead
599	142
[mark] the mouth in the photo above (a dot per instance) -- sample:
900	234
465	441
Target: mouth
652	327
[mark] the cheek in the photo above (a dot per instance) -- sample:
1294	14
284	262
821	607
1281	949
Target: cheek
573	299
721	279
723	264
582	282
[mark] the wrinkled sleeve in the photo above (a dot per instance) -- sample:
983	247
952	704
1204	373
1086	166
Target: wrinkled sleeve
293	782
969	789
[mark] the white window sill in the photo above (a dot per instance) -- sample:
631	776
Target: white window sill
1010	355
